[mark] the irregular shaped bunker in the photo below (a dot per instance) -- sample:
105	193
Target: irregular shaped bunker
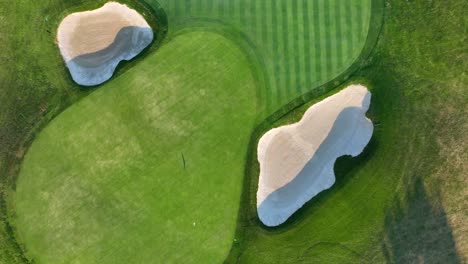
92	43
296	161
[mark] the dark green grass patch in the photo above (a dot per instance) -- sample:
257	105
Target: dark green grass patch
387	205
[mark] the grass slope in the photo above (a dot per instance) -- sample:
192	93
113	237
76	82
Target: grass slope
300	44
404	199
105	182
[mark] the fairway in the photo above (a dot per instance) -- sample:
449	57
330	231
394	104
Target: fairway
300	44
149	168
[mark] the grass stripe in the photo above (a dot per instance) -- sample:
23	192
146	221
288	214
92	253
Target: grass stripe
221	9
349	29
366	22
309	58
253	17
244	9
305	42
286	55
301	44
209	6
194	7
264	23
235	11
277	52
354	26
231	8
176	10
293	16
342	30
327	44
337	36
188	7
267	37
200	7
318	37
363	16
334	39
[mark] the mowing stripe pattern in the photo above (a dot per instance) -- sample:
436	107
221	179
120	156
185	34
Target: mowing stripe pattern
304	43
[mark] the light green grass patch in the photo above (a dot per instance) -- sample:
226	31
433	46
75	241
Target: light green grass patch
105	182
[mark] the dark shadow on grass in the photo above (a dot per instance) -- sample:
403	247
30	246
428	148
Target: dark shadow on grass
345	169
417	230
280	204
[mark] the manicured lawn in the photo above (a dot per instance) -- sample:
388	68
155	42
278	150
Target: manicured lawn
105	182
404	199
292	48
299	44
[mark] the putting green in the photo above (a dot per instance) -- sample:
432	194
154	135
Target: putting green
147	169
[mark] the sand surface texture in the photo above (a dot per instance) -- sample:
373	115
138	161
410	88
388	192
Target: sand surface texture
92	43
296	161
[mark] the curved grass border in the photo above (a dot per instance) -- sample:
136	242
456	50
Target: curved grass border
247	215
254	55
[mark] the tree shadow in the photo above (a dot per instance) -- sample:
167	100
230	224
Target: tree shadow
417	230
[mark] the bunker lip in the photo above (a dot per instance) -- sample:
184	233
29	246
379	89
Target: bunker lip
296	161
92	43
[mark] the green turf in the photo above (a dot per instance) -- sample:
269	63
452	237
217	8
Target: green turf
417	75
106	179
37	86
300	44
387	205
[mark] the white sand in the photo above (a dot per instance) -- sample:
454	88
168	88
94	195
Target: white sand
92	43
296	161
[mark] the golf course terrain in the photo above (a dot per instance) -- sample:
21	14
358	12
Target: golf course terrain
158	163
141	162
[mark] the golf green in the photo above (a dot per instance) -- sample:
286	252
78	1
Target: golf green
149	168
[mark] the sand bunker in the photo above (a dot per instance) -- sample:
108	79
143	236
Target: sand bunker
92	43
296	161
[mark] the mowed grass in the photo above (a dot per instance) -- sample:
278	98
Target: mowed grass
283	40
419	88
403	200
299	44
147	169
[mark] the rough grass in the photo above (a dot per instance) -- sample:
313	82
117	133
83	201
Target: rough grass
143	162
35	86
404	199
